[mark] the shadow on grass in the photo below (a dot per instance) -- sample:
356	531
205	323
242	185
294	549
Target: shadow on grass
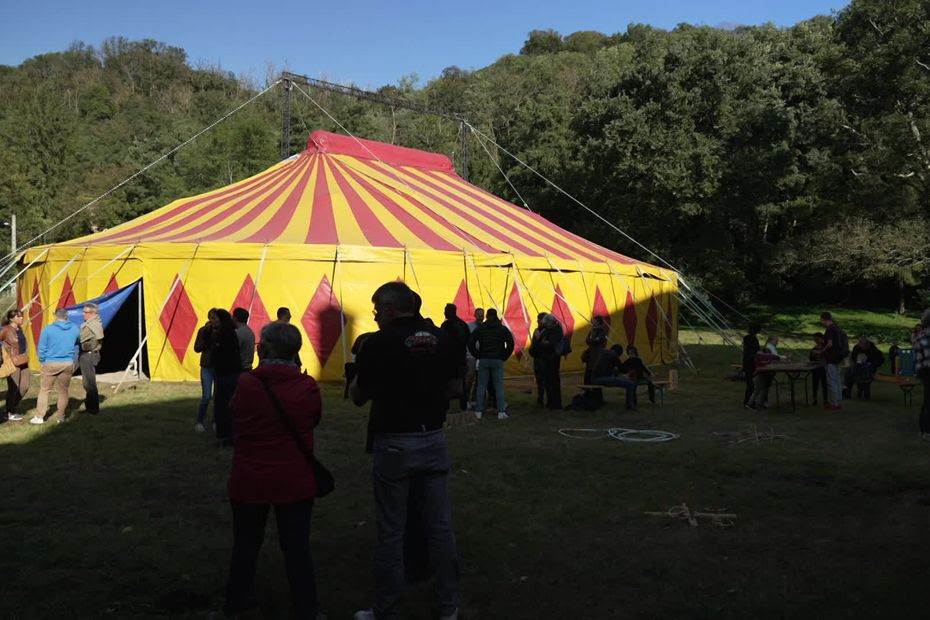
125	515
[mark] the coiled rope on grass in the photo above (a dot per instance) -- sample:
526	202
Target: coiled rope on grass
620	434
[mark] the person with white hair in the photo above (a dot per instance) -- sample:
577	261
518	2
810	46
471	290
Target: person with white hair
276	410
920	342
91	341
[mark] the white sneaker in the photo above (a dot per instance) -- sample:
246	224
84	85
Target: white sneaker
14	417
37	420
198	428
478	414
365	614
502	416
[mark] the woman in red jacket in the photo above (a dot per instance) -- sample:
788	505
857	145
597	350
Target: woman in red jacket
270	469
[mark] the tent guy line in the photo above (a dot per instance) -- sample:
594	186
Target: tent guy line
689	300
14	255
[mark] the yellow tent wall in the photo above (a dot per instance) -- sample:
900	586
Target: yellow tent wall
327	287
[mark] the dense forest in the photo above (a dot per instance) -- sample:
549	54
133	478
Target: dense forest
766	163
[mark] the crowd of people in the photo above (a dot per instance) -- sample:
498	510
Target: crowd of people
829	353
63	348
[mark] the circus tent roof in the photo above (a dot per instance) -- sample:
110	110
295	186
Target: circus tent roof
347	191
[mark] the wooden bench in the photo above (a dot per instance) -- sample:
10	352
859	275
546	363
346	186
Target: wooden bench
907	383
661	386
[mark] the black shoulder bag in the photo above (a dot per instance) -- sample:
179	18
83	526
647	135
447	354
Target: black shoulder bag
325	483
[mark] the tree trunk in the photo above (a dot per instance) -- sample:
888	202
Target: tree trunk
901	308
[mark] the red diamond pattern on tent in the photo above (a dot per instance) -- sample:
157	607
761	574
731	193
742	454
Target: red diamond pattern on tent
258	315
322	320
35	314
630	321
112	285
464	305
178	319
19	297
652	322
600	307
515	317
562	313
67	294
668	318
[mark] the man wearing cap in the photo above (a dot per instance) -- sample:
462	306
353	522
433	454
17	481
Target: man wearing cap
91	340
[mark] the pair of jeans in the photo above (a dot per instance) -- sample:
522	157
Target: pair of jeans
412	469
17	384
490	371
762	382
617	381
222	414
834	385
924	420
88	363
207	375
294	539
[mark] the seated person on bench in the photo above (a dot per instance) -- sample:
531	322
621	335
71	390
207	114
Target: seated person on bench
603	373
866	360
637	370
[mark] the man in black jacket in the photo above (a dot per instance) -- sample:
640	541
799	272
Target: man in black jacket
458	331
491	344
407	369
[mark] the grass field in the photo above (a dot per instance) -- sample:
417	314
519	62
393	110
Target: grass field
124	515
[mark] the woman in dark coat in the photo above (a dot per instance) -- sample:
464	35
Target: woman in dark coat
270	469
203	344
224	357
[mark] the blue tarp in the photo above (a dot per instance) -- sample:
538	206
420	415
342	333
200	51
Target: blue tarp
108	305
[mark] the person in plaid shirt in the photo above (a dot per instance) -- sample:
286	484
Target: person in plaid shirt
921	345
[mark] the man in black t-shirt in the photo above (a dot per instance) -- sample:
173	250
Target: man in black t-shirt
408	370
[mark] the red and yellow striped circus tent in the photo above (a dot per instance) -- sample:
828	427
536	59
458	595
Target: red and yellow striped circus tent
318	232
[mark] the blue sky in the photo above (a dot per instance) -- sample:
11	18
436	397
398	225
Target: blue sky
367	42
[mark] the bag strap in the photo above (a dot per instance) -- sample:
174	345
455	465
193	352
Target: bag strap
288	423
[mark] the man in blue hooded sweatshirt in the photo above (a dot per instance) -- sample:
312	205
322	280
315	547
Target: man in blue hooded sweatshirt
58	352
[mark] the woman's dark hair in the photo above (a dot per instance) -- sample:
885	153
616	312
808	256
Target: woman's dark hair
211	312
755	328
10	314
225	318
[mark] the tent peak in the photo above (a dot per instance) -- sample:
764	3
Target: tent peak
326	142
